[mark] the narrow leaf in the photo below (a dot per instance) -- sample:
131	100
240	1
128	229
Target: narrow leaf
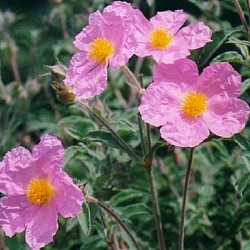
218	39
84	219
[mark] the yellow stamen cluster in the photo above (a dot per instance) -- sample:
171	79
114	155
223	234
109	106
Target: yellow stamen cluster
39	191
194	104
160	39
101	50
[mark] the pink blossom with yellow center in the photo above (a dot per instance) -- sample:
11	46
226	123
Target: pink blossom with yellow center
108	41
163	38
188	107
36	190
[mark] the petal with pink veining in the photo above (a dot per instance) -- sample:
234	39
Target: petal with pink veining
184	132
41	229
48	153
89	33
220	78
194	36
182	72
15	213
170	20
226	117
160	102
15	171
69	201
86	77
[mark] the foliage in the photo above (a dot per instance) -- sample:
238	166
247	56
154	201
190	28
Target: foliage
219	194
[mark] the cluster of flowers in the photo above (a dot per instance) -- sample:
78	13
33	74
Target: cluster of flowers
185	105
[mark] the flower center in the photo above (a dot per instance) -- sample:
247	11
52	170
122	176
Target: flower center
160	38
39	191
101	49
194	104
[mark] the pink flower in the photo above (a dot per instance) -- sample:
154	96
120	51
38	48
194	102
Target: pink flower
187	105
36	190
108	40
163	38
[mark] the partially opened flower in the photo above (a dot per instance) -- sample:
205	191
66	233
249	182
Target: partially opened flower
188	106
163	38
108	40
36	190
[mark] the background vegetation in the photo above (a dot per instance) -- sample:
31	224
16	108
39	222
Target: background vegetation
34	34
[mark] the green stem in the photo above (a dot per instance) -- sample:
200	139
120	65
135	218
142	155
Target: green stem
127	147
116	217
156	209
184	201
148	130
248	9
242	17
131	79
141	130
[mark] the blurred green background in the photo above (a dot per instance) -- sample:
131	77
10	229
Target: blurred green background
37	33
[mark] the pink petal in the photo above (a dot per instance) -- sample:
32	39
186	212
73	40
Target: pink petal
15	213
123	41
220	78
87	78
159	102
171	20
227	117
184	132
48	153
194	36
42	227
182	72
170	55
119	27
69	198
141	32
15	171
90	32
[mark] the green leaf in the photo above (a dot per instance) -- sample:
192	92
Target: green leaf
110	141
243	183
74	133
126	196
242	141
134	210
84	219
245	85
70	152
149	157
218	39
104	137
230	56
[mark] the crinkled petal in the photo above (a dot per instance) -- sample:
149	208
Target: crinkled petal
170	20
159	102
89	33
133	29
124	41
182	72
15	171
194	36
220	78
42	228
69	197
227	116
184	132
87	78
48	153
116	17
170	55
15	213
